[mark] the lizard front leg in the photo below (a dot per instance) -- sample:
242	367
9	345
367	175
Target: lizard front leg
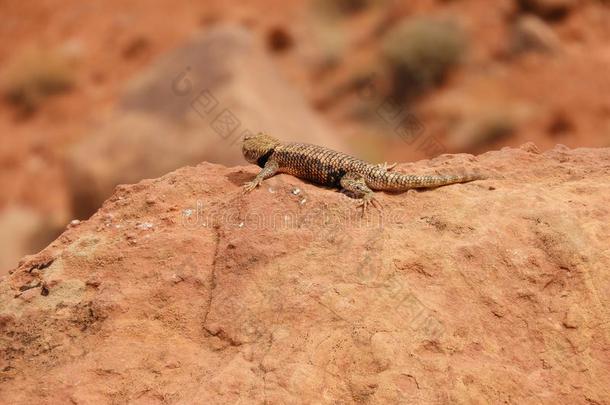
355	183
271	168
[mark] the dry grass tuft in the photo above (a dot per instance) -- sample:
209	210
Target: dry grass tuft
35	75
420	52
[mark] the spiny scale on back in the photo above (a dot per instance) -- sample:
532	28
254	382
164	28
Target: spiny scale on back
331	168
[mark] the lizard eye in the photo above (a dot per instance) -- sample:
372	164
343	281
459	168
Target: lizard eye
250	135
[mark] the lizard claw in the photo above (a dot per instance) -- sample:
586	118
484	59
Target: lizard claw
385	166
369	199
251	185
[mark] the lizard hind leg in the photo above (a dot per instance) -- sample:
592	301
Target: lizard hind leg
355	184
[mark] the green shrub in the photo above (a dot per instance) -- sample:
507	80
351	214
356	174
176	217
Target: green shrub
420	52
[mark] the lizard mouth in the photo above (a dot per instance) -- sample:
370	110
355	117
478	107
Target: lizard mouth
258	148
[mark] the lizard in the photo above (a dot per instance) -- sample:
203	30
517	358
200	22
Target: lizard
335	169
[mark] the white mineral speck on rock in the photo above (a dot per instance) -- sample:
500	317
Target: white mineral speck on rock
296	191
187	213
145	225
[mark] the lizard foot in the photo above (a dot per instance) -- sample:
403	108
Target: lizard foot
385	166
251	185
369	199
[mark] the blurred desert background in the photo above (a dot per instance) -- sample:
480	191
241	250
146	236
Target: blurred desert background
101	93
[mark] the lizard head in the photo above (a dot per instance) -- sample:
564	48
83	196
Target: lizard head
258	148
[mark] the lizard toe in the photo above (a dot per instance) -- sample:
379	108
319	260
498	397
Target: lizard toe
369	200
375	203
249	186
385	166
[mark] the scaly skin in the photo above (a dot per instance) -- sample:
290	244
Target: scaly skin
331	168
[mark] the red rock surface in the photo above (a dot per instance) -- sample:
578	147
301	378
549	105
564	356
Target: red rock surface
182	290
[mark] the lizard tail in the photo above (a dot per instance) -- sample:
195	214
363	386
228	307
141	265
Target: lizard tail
403	182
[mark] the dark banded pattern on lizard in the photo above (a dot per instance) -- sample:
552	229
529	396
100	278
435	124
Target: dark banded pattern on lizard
331	168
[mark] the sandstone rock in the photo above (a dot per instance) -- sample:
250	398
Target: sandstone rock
549	8
530	33
487	292
194	104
